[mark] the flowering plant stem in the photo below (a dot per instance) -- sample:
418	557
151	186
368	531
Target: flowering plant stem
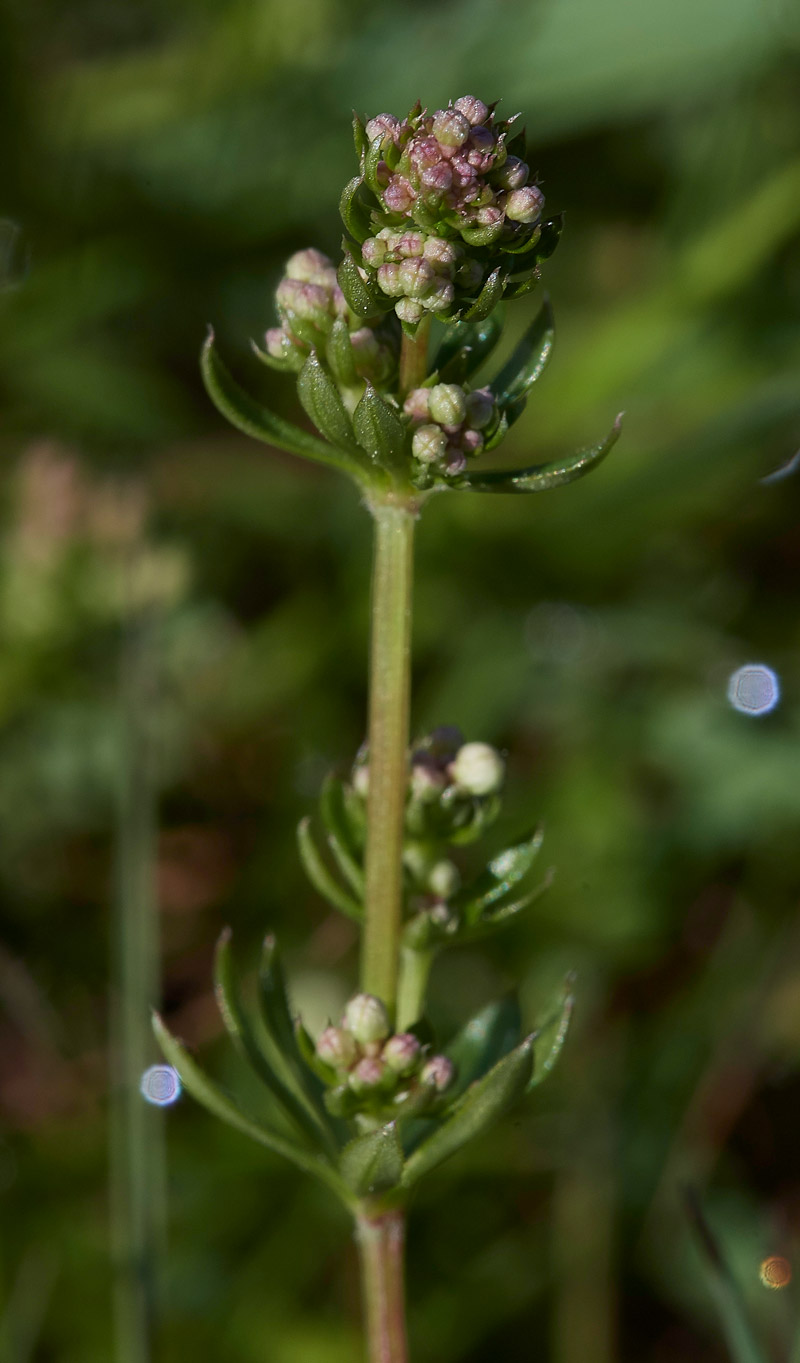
381	1239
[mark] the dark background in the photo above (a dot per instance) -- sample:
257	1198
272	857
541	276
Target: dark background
159	161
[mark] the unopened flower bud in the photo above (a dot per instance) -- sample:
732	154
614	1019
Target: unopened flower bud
427	780
382	125
310	301
525	205
416	277
409	310
490	215
482	140
361	780
309	266
437	179
451	128
438	1072
428	444
480	408
373	251
367	1019
411	244
278	344
365	345
442	254
443	879
448	404
368	1074
398	195
455	460
469	276
513	174
389	280
473	109
471	442
417	403
439	296
478	769
337	1048
401	1053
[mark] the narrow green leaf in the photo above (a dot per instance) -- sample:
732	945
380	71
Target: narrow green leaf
465	346
742	1342
529	359
372	157
482	236
505	912
483	1103
320	876
241	1033
488	298
363	295
550	236
280	1024
373	1163
525	243
501	874
380	431
542	476
320	398
249	416
498	434
339	354
360	140
292	364
308	1051
334	816
484	1040
551	1034
354	213
513	291
217	1102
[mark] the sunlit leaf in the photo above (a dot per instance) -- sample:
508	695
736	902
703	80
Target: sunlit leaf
543	476
501	874
488	298
320	398
373	1163
380	431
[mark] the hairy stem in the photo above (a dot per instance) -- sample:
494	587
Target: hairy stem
381	1241
415	967
388	749
414	357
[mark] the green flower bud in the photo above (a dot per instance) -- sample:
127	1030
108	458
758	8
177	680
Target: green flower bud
525	205
451	128
440	296
366	1018
448	404
337	1048
373	251
389	280
416	276
409	310
401	1053
442	254
428	444
478	769
411	244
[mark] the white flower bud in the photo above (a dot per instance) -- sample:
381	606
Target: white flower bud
448	404
360	780
478	769
416	276
428	444
308	266
438	1072
450	128
367	1019
443	879
525	205
409	310
373	252
439	296
389	280
442	254
401	1053
337	1048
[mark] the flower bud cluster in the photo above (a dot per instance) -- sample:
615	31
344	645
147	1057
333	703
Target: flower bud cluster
374	1070
309	301
419	270
449	422
452	168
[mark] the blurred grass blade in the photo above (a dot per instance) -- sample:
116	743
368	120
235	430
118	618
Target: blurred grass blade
743	1345
249	416
320	876
215	1101
373	1163
543	476
482	1104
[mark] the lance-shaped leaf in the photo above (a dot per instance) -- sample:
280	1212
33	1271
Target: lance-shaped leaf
464	347
380	431
500	876
360	139
482	1104
249	416
372	158
528	360
339	354
308	1051
320	876
334	816
320	398
543	476
373	1163
241	1033
484	1040
217	1102
488	298
482	236
276	1013
362	294
523	286
354	213
498	917
551	1034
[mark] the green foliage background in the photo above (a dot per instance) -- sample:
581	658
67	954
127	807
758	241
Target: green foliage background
159	163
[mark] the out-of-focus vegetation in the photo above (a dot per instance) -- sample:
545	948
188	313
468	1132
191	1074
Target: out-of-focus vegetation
159	162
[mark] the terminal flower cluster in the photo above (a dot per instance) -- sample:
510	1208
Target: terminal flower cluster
372	1071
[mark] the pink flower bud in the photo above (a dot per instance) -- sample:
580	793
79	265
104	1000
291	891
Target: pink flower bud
309	301
411	244
308	265
513	174
278	343
337	1048
440	296
525	205
448	404
473	109
437	179
424	152
373	252
455	460
401	1053
416	404
438	1072
428	444
367	1019
450	128
472	442
383	125
398	195
490	215
368	1074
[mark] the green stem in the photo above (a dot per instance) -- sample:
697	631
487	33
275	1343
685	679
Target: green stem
415	967
414	357
381	1242
388	749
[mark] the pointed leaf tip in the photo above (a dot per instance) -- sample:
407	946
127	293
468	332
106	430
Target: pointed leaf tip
540	477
